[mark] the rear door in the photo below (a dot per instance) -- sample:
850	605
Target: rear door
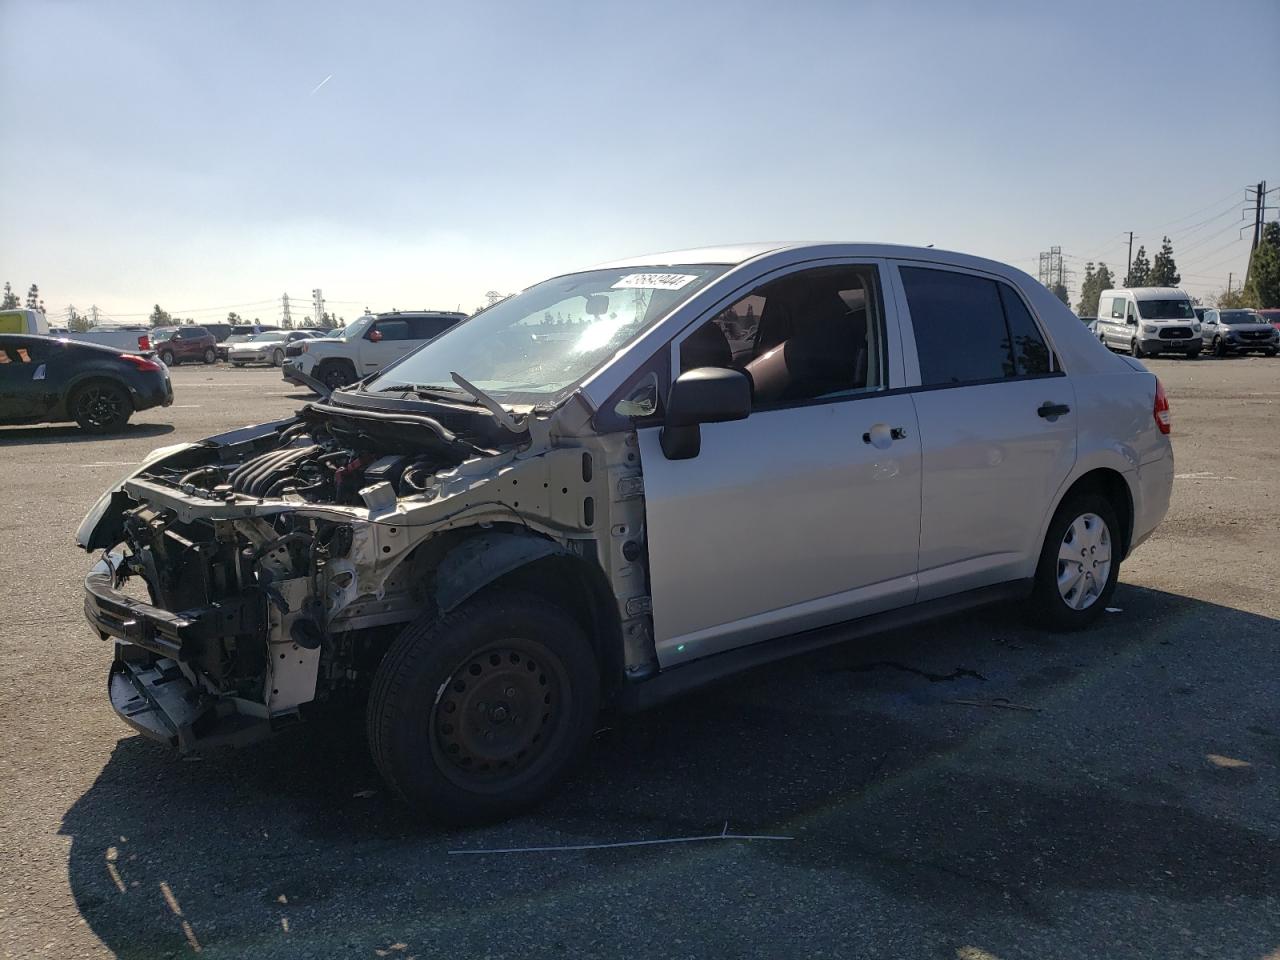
807	512
997	426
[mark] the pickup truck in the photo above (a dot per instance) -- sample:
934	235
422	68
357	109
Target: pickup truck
129	339
28	322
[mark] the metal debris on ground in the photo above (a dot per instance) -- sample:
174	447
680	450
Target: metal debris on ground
1000	703
724	834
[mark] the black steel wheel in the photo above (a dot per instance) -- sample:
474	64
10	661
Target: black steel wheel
100	407
479	714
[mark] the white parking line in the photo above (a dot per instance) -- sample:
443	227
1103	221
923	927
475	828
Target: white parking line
111	463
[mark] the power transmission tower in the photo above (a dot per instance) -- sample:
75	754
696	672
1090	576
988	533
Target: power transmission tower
93	314
318	300
1051	274
493	296
286	318
1260	209
1129	266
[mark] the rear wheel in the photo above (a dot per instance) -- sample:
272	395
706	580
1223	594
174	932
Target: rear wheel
277	358
477	715
210	356
166	357
100	407
1079	563
1219	348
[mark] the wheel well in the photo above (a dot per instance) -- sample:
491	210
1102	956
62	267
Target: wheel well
580	588
335	362
1113	486
92	380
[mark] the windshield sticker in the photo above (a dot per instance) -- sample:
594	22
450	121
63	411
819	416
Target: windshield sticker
654	281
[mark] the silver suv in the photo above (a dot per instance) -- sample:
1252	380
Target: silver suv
618	485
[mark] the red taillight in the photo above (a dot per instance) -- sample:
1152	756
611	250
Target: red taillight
1161	411
142	363
144	343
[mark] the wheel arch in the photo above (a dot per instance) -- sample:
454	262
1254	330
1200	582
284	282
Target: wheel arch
1113	485
88	379
473	561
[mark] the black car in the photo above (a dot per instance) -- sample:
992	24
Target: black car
46	380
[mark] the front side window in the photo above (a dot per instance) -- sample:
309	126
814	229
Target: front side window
814	334
1166	310
971	329
536	347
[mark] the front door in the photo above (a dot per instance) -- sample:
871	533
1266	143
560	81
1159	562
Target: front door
385	341
998	426
807	512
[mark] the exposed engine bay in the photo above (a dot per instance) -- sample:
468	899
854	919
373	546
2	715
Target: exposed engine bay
280	561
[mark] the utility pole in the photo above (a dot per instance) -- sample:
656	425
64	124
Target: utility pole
286	318
1229	278
1259	208
1129	268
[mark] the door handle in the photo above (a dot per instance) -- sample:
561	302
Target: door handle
876	435
1051	410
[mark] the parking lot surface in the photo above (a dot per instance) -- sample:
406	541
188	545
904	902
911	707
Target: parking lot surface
972	788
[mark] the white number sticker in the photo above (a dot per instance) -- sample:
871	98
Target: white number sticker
654	281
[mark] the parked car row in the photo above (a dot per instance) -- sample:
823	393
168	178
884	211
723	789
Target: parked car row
1150	321
364	346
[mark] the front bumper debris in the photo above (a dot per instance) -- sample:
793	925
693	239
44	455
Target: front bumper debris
159	702
180	635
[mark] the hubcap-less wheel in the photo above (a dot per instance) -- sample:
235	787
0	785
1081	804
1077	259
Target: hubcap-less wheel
166	358
498	714
277	358
1084	561
209	356
336	377
1134	349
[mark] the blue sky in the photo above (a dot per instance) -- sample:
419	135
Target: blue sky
176	152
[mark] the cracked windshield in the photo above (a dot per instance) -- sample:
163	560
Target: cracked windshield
537	345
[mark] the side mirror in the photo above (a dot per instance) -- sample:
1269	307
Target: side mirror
373	336
1131	321
704	395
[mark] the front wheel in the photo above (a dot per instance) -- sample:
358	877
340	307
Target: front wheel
479	714
1219	348
337	375
100	407
1079	563
1135	349
277	358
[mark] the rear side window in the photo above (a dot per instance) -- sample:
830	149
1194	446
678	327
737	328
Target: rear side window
425	328
1117	308
971	329
1030	352
197	332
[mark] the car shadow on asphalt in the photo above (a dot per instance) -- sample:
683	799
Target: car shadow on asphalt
972	767
69	433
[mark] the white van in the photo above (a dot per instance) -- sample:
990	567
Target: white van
1146	321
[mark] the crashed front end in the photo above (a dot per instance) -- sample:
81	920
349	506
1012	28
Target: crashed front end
248	575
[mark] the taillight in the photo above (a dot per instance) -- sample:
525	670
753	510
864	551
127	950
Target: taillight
1161	411
142	363
144	342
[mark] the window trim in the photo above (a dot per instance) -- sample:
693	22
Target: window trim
908	333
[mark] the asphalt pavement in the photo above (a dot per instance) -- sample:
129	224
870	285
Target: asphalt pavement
969	789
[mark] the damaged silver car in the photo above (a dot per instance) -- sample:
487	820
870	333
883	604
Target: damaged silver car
618	485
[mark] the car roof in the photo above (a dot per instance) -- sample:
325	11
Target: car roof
1150	293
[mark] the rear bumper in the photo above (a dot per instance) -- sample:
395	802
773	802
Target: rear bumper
158	394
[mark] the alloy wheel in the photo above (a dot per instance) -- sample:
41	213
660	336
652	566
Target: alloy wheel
1084	561
100	407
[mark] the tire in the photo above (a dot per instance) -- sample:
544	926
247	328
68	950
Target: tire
1084	521
236	363
1219	348
529	654
166	357
210	356
1193	355
100	407
277	358
337	374
1134	349
1271	353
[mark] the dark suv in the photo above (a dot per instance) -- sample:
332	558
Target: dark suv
175	345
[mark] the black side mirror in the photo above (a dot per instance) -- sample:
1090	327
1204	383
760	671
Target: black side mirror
704	395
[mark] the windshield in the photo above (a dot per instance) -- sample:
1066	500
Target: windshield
1166	310
357	326
336	333
163	333
1240	316
535	347
272	335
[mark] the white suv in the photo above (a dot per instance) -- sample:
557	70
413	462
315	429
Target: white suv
364	346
